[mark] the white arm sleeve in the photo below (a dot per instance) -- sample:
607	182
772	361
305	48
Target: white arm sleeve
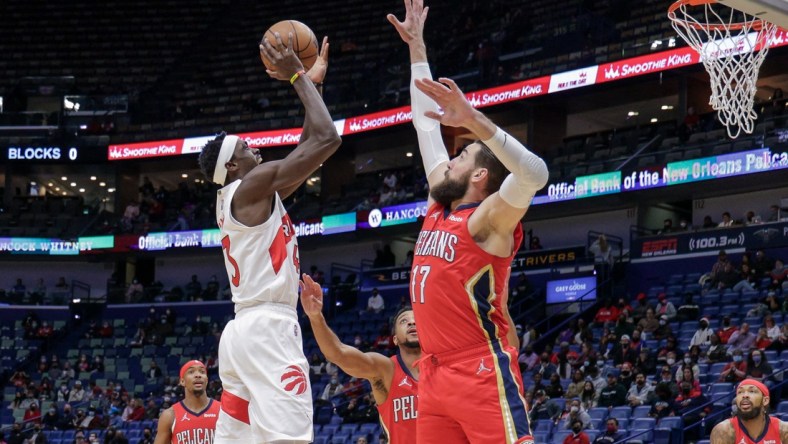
433	151
528	171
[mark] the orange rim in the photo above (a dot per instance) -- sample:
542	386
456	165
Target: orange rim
756	25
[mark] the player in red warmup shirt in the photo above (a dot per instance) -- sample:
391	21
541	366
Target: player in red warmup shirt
470	388
394	380
751	424
192	420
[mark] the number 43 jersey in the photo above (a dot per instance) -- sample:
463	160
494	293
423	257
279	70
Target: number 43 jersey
455	286
262	261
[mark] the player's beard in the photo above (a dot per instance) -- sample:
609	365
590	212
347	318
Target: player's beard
198	392
450	190
752	414
411	344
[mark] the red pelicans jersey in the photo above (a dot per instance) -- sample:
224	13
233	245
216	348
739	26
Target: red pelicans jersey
455	286
398	414
194	428
770	435
262	261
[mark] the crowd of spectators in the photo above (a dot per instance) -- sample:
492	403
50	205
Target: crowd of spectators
630	357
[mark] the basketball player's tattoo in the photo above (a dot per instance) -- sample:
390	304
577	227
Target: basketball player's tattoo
723	433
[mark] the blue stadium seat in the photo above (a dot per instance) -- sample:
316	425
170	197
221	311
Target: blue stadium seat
544	426
719	389
541	437
622	412
716	368
370	428
355	437
348	428
644	424
321	439
340	438
641	411
330	429
558	437
598	413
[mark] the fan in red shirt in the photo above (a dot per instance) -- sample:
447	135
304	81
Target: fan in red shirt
606	313
578	436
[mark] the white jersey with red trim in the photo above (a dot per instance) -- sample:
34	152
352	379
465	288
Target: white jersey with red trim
262	261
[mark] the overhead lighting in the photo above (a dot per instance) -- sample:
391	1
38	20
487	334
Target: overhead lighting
197	180
64	193
32	183
64	178
92	177
315	179
73	184
184	175
83	127
50	184
666	107
102	184
633	113
110	190
408	154
81	190
654	120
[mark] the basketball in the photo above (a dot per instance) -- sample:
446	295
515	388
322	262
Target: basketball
304	42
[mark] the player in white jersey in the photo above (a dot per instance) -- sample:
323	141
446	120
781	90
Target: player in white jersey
266	398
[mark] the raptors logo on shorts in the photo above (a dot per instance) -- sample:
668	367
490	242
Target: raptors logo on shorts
294	380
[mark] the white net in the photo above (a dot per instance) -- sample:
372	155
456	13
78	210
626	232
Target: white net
732	46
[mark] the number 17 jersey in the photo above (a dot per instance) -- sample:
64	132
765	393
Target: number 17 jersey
455	285
261	261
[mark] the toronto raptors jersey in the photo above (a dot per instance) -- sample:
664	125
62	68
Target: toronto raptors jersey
770	435
398	413
261	261
456	286
194	428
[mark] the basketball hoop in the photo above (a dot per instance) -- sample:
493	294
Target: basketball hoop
732	46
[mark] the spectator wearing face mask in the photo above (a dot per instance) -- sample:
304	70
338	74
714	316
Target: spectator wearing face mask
51	418
665	307
578	436
717	351
332	389
702	336
663	331
726	330
662	404
735	370
758	368
611	433
686	406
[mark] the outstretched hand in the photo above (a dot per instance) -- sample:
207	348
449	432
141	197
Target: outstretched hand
457	111
283	57
318	71
412	28
311	296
